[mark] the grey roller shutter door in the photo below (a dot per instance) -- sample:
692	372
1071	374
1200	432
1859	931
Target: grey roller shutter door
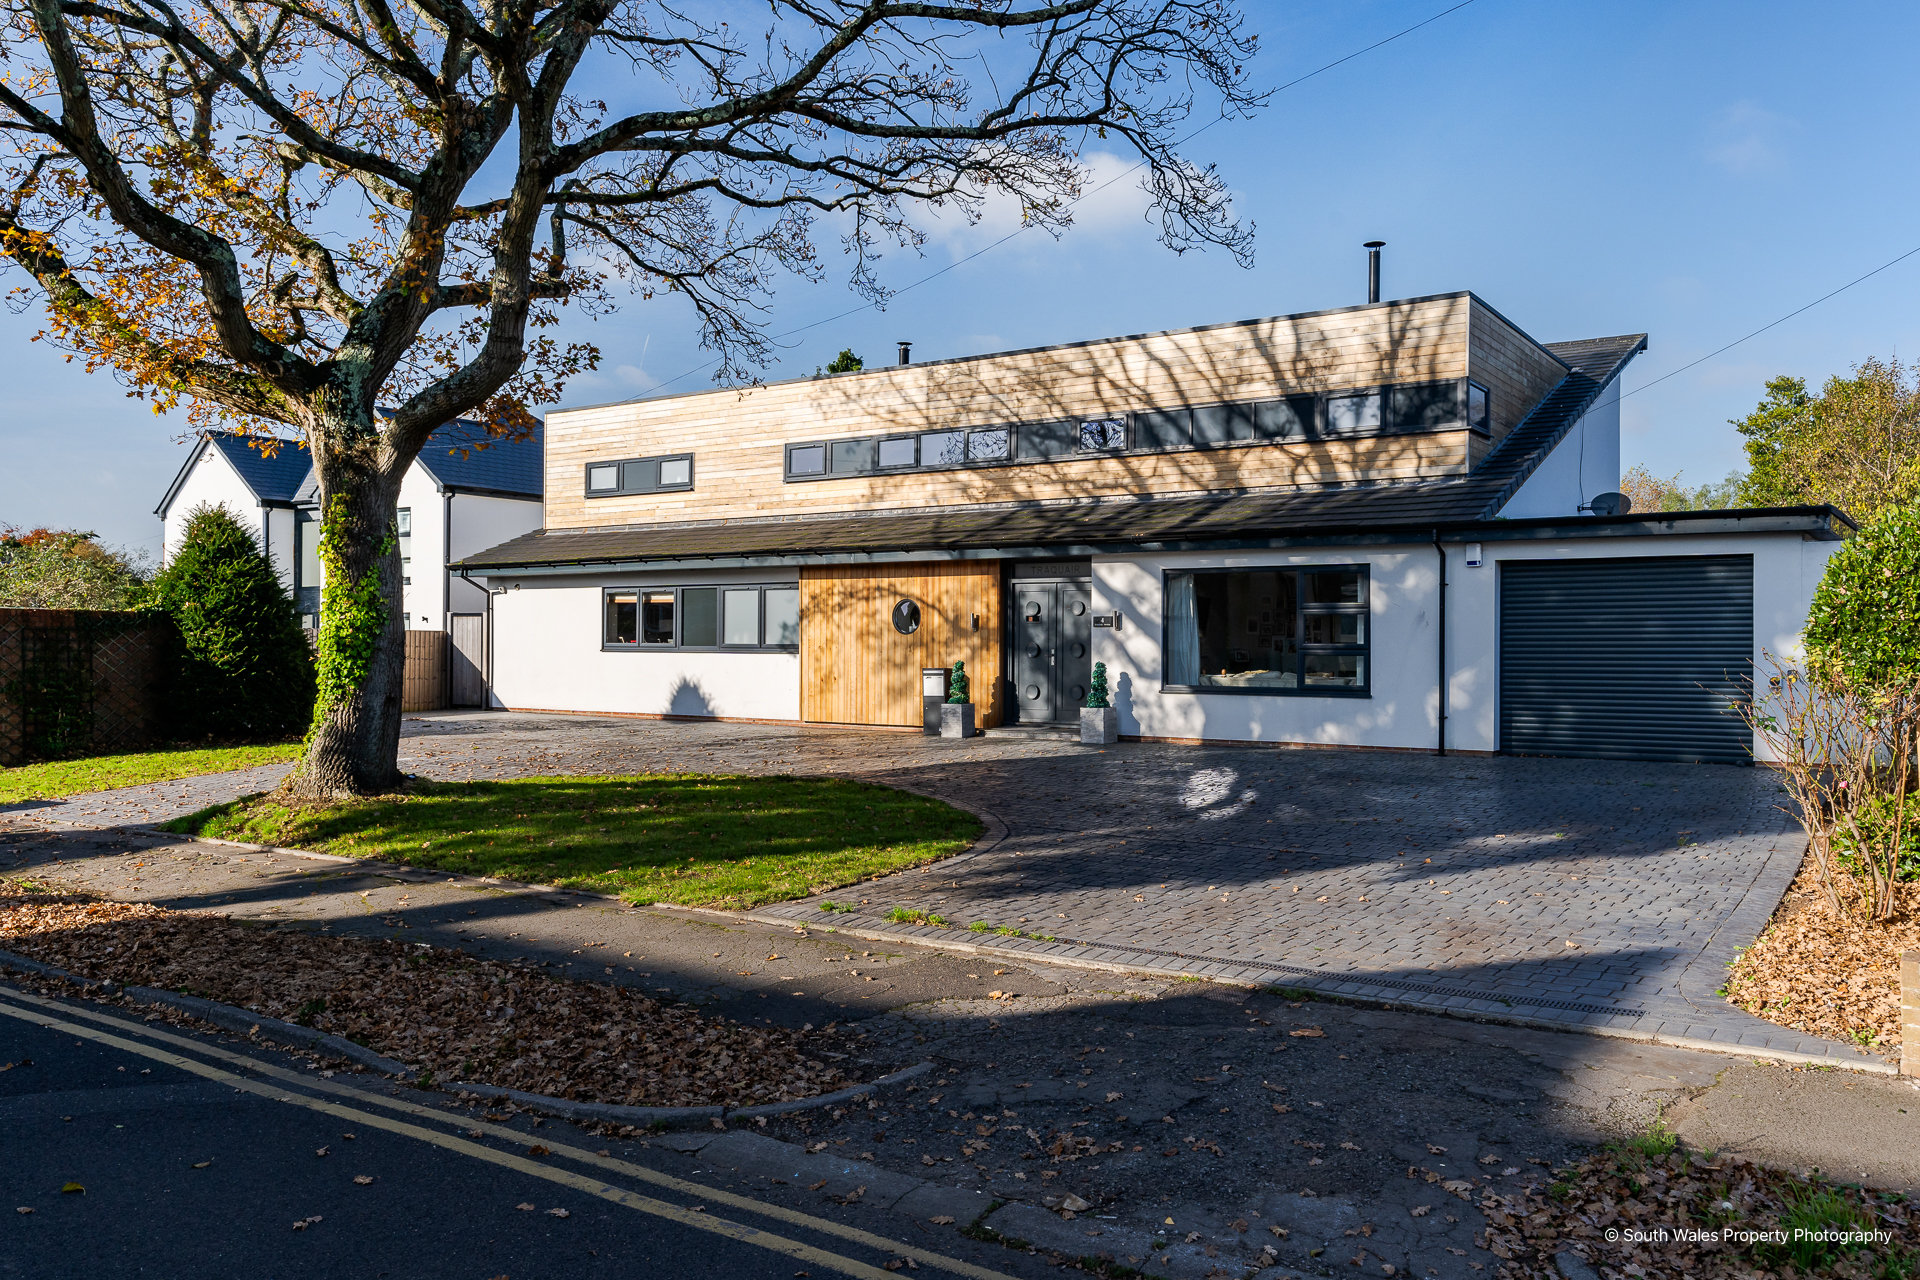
1627	659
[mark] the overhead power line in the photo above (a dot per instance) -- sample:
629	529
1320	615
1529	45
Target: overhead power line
1125	173
1774	324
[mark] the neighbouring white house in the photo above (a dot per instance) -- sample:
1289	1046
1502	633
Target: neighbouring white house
1389	526
457	498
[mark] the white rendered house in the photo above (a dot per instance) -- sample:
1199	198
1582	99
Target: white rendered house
456	499
1391	526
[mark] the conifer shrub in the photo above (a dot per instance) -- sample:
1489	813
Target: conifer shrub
243	668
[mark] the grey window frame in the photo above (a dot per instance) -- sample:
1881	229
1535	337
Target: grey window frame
1302	609
622	490
1299	416
1467	388
680	615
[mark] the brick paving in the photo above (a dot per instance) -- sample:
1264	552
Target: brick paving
1593	895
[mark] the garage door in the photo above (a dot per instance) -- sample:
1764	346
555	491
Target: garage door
1631	659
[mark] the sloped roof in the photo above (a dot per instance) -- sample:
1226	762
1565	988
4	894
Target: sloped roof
511	468
271	479
504	466
1080	527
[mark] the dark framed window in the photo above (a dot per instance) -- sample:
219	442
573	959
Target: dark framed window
1359	411
668	474
1103	435
806	460
1282	631
1354	414
1479	408
403	529
734	617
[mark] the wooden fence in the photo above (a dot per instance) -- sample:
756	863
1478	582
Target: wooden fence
79	681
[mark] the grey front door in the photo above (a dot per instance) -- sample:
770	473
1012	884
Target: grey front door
469	659
1052	635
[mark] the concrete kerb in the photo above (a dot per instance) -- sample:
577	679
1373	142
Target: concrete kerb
249	1024
1013	949
225	1016
676	1117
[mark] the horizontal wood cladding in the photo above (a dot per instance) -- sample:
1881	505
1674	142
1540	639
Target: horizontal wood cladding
855	668
738	435
1515	369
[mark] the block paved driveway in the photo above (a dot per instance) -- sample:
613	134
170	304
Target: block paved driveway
1581	894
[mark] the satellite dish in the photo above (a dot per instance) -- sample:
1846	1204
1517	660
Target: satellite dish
1609	504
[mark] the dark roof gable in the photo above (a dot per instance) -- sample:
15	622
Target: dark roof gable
271	479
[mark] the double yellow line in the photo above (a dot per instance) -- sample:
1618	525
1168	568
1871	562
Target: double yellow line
29	1007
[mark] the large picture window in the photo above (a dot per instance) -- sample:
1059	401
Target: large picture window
1269	631
731	617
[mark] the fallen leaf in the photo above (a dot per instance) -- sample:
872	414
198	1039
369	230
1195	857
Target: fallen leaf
816	1186
1421	1210
527	1208
203	1164
1309	1032
534	1151
321	1152
362	1180
29	1209
304	1223
1438	1151
558	1213
1115	1097
944	1220
72	1188
1348	1146
1075	1204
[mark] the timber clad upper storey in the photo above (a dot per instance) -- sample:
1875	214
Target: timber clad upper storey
1414	389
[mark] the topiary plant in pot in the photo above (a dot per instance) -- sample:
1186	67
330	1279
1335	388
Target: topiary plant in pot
1099	722
956	713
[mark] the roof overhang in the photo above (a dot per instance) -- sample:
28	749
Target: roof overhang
1819	524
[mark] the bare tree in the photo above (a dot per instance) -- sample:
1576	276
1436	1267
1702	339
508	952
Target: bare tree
353	218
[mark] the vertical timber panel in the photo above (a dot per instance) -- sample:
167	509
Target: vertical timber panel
856	669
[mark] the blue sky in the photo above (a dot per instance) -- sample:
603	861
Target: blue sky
1690	171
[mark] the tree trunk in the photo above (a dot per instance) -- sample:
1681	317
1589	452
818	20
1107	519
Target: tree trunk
354	745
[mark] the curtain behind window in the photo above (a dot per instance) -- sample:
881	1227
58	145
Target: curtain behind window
1183	632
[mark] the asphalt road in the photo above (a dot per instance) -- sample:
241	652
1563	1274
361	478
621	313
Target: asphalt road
198	1156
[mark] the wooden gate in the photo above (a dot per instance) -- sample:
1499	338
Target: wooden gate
424	687
467	656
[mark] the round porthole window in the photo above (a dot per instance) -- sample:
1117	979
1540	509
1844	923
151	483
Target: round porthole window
1033	651
906	617
1033	611
1078	650
1033	691
1078	693
1079	607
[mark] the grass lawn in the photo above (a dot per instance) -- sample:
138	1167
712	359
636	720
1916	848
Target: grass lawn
57	778
696	839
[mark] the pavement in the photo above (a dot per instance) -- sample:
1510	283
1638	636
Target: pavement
1203	1123
1606	896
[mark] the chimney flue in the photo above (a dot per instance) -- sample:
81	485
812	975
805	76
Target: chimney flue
1373	248
906	353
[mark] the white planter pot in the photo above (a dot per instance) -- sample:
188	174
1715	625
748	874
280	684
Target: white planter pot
956	719
1099	725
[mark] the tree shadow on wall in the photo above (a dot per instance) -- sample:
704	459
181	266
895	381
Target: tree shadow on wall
689	699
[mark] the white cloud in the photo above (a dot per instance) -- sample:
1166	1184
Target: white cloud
1746	139
1111	203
